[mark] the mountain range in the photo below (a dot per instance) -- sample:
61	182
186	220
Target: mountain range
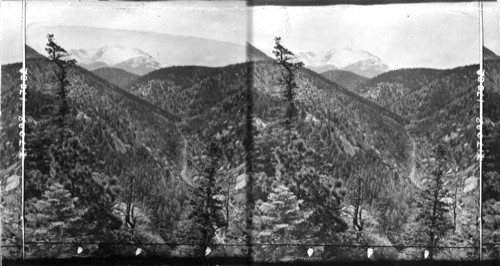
134	51
357	61
129	59
159	125
134	60
162	121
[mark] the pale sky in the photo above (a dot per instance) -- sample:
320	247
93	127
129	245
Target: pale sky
221	21
437	35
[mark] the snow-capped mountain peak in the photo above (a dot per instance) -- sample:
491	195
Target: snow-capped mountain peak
357	61
130	59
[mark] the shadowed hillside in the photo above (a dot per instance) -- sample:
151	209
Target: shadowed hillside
345	79
116	76
126	135
184	148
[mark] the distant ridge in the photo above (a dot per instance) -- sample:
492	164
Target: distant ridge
132	60
122	45
116	76
32	54
35	56
489	55
254	54
346	79
376	106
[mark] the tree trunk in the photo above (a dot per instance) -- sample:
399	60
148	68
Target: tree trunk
357	205
227	204
129	216
455	210
433	219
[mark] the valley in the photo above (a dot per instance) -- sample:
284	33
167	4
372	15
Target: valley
361	146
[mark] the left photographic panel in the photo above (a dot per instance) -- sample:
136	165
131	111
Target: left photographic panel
11	105
131	121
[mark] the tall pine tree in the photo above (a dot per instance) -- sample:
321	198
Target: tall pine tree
58	56
61	169
434	211
285	58
296	166
206	205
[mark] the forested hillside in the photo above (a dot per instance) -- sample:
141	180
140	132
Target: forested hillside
340	127
116	76
131	151
345	79
491	163
442	107
195	156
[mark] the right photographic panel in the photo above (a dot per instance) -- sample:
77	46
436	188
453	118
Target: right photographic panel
365	138
491	135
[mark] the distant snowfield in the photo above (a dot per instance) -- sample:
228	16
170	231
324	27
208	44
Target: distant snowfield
341	58
129	59
360	62
115	46
111	55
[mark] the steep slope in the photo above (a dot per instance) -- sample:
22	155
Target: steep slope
10	163
254	54
96	100
346	79
159	127
491	163
442	107
345	123
407	92
116	76
32	54
339	125
165	87
440	103
489	55
125	133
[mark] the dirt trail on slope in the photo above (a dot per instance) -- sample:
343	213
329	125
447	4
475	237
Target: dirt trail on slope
413	165
184	174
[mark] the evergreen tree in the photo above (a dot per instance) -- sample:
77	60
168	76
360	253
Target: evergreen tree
54	218
57	54
280	222
321	192
284	58
62	170
206	205
297	166
434	211
360	184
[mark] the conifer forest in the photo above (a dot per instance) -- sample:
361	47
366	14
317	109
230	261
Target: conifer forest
282	156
